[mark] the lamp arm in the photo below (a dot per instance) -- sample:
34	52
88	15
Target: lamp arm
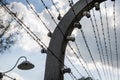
16	64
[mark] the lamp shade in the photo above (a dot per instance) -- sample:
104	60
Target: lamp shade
25	65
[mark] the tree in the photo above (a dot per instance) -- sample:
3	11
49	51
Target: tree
3	1
8	30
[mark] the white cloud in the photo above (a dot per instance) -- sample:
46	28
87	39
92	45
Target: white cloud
32	22
27	44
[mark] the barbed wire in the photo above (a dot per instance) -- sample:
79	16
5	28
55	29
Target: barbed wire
95	35
63	35
38	16
108	32
102	54
104	39
115	32
90	53
49	12
79	60
83	58
21	24
73	65
83	35
55	7
85	40
59	14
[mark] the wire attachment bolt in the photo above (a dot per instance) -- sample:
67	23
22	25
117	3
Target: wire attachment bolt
66	70
77	25
49	34
59	17
43	50
97	6
87	14
70	38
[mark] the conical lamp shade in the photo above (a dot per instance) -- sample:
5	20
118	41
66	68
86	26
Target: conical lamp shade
25	65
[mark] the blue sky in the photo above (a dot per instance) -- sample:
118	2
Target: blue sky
10	57
37	3
26	46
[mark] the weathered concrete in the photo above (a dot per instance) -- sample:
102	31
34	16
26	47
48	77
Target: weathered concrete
58	42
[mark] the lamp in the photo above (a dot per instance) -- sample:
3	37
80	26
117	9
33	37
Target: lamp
25	65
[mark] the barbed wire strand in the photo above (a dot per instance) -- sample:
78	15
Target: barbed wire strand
21	24
115	32
38	16
50	31
55	7
83	58
108	32
86	42
104	39
76	20
73	65
62	33
90	51
79	60
95	36
71	3
102	53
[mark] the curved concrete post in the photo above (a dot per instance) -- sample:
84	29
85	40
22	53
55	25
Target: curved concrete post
58	42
